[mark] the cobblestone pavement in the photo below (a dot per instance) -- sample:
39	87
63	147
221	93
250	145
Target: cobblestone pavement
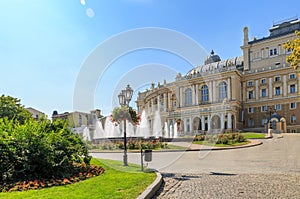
270	170
231	186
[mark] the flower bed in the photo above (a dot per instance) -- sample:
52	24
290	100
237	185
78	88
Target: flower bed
81	172
224	138
132	144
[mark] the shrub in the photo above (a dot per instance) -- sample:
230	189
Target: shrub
40	149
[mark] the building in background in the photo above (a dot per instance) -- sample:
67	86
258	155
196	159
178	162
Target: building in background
253	92
79	119
36	114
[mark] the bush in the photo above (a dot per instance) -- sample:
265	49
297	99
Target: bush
36	150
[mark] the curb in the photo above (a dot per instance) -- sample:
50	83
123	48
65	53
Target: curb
226	148
190	149
152	189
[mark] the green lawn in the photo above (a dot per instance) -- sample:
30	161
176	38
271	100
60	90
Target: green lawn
253	135
220	145
117	182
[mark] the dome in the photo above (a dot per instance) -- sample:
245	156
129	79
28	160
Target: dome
212	58
216	65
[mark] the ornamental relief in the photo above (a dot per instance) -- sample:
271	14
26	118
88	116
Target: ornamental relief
278	83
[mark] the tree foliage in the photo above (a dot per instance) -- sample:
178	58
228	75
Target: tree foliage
294	45
122	113
12	109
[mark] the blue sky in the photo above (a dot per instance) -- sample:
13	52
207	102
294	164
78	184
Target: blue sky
43	43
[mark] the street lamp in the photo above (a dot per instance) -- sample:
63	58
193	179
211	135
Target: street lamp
124	99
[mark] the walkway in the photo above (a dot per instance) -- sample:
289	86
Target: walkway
270	170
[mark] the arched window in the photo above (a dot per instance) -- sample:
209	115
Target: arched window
222	90
188	96
204	93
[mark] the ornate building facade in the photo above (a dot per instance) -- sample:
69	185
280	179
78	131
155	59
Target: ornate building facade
256	91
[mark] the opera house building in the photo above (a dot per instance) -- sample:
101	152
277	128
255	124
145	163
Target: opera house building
253	92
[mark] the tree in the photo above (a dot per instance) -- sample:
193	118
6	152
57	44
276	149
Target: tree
294	45
122	113
12	109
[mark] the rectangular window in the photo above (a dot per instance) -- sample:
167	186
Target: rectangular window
292	88
250	83
271	52
277	79
278	106
277	90
264	108
293	119
292	76
264	92
263	81
251	122
264	121
251	95
251	110
275	51
293	105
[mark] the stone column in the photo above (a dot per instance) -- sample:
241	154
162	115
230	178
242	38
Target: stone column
181	97
284	89
173	127
210	91
169	124
256	90
202	123
208	121
193	95
244	92
214	89
152	104
169	101
184	125
165	102
191	125
158	103
229	122
222	121
270	88
197	94
229	89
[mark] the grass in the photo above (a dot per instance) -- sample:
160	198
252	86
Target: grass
117	182
220	145
253	135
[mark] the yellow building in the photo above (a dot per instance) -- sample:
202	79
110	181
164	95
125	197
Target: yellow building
36	114
77	119
256	91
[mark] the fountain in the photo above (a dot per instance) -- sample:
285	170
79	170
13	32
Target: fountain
157	128
142	129
167	135
99	131
129	130
110	129
175	131
86	134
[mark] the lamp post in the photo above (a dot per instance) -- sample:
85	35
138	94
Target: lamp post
124	99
